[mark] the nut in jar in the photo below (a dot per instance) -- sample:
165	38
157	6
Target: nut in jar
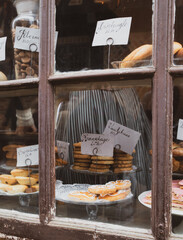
26	60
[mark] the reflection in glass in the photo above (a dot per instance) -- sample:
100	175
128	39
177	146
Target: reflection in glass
76	24
88	111
177	159
19	186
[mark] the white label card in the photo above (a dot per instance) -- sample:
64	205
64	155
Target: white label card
124	138
63	150
97	144
28	39
27	156
3	48
117	29
180	130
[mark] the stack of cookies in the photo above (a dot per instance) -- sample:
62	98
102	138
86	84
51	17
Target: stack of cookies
122	161
81	161
11	154
101	164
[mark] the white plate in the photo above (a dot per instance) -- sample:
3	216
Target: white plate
143	195
2	193
62	191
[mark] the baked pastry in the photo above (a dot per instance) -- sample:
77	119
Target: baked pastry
143	52
80	168
26	180
8	179
120	184
177	152
102	189
11	147
121	194
35	187
20	172
82	196
16	189
35	175
11	155
3	186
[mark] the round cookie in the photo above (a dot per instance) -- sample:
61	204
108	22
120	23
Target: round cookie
102	189
99	170
82	160
118	170
124	158
80	156
82	164
99	166
123	162
102	162
102	158
77	144
79	168
122	165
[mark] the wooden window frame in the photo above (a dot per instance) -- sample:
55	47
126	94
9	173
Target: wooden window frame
46	225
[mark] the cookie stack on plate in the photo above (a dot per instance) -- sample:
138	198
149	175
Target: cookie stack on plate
122	161
81	161
11	154
101	164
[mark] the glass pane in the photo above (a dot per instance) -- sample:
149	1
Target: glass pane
81	110
177	159
76	24
178	37
19	35
18	171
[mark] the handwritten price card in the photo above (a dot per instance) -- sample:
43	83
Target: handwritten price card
3	48
63	150
27	156
124	138
28	39
117	29
97	144
180	130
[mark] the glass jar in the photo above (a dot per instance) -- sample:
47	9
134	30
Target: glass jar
26	61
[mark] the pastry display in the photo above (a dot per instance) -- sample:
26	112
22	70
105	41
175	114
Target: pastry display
19	181
10	152
177	157
143	52
177	195
111	191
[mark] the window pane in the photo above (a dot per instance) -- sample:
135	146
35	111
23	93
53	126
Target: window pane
178	38
18	39
18	129
76	24
177	148
81	110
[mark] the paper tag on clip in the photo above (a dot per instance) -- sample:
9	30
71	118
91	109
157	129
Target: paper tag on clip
117	29
28	39
125	138
180	130
3	48
28	156
97	144
63	150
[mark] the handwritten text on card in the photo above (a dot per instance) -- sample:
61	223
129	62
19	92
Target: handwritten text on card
27	156
124	138
97	144
180	130
117	29
3	48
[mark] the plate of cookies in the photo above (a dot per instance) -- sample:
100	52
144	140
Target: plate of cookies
85	194
19	182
